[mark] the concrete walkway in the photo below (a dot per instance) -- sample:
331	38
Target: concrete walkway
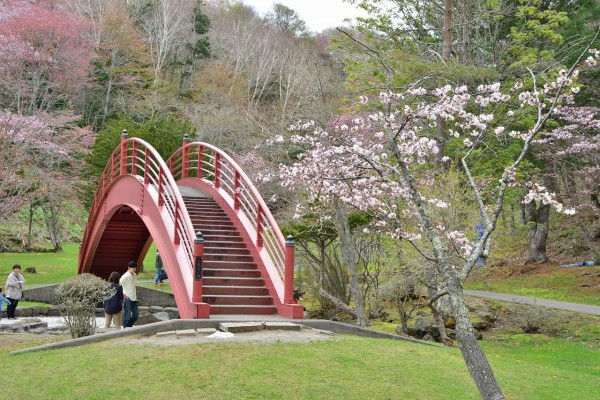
559	305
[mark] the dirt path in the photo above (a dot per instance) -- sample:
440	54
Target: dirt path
559	305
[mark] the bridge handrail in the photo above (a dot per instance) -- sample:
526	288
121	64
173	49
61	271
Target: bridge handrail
212	165
136	157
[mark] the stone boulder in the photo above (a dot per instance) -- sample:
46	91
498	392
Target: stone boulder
146	319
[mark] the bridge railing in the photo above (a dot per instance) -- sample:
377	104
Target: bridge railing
136	157
212	165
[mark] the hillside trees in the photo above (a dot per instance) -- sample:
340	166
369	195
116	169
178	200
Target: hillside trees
45	55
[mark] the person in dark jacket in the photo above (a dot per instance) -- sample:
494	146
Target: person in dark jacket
114	306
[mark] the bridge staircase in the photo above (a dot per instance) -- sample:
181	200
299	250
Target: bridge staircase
232	281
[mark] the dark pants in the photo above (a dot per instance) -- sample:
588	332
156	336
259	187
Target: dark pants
10	310
130	313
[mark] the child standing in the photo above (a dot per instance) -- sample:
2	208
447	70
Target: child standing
3	300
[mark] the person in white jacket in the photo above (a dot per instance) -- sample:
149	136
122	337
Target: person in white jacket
14	290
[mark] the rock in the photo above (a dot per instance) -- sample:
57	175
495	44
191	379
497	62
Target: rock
173	312
166	334
162	316
335	319
30	326
284	326
144	309
205	331
30	270
481	325
586	285
186	333
236	327
478	335
422	327
325	332
23	312
146	319
486	316
156	309
428	337
55	311
390	320
39	311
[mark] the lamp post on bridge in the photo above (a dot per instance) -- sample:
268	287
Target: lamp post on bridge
288	290
203	309
185	156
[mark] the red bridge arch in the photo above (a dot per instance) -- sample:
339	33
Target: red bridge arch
246	265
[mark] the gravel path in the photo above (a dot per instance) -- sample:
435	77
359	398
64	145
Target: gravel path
559	305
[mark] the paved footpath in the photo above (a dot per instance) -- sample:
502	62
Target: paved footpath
559	305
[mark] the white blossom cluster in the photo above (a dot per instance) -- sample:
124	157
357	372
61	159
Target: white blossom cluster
539	193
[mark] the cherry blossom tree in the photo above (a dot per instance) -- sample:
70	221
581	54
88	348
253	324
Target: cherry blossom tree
40	156
45	55
382	164
573	152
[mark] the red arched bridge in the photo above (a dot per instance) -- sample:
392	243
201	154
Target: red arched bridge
221	247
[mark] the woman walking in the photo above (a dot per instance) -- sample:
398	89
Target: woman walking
114	305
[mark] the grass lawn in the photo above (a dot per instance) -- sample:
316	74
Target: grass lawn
350	367
54	267
576	285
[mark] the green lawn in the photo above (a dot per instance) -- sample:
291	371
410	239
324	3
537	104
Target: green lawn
560	285
56	267
350	367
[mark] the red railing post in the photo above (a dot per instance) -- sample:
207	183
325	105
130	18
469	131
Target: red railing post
259	238
236	189
123	169
217	170
202	309
161	201
288	291
134	159
176	238
200	161
146	168
184	157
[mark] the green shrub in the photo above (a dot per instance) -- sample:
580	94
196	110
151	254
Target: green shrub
80	295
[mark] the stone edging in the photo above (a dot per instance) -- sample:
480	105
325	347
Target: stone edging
180	324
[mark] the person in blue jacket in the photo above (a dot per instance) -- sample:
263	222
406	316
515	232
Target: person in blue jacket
3	300
113	307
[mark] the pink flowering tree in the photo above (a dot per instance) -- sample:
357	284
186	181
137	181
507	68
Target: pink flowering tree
573	151
40	158
45	55
383	164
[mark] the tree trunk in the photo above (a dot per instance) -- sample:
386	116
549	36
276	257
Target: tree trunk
475	358
349	255
447	30
538	220
29	228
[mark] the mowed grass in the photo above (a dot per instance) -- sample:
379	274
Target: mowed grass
50	267
348	367
554	283
56	267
